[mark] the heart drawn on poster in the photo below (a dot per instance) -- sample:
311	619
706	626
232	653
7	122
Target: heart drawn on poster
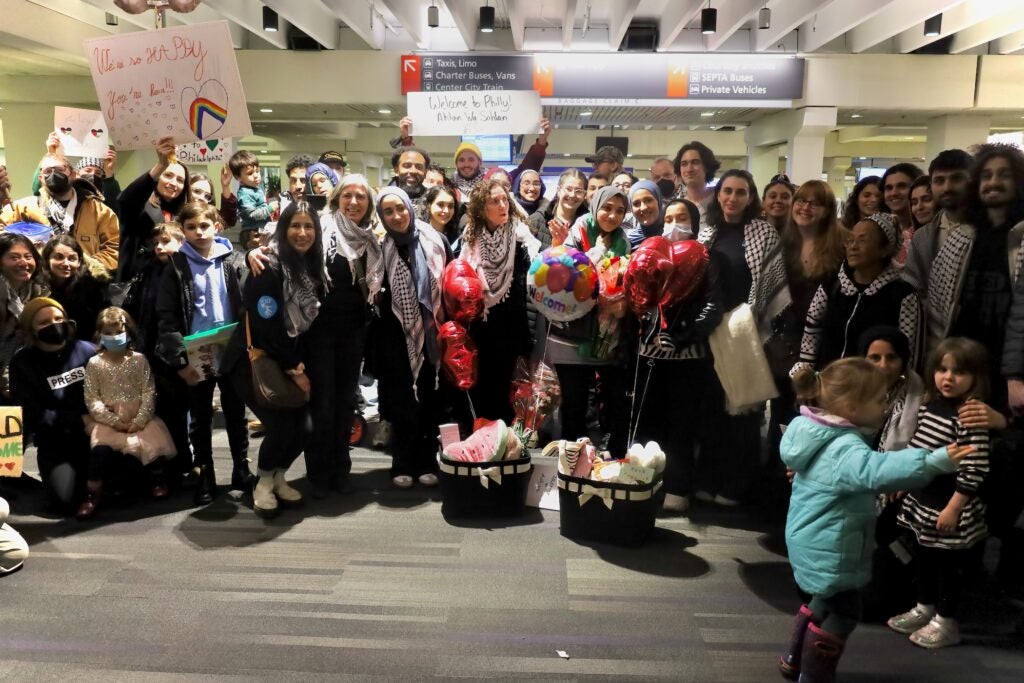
207	110
96	132
66	131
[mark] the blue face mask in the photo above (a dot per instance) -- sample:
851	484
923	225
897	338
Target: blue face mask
114	342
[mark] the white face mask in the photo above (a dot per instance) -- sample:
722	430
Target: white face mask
677	232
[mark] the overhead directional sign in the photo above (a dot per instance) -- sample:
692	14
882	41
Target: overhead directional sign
465	72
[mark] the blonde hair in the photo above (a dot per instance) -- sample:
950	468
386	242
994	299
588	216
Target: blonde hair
844	383
112	315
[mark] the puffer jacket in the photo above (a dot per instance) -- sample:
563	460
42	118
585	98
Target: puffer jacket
830	529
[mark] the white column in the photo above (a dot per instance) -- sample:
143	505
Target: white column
836	167
806	148
763	163
956	131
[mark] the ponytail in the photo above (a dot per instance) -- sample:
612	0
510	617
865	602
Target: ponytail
844	383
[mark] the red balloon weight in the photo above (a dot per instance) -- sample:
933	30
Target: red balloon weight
458	355
689	265
463	292
648	270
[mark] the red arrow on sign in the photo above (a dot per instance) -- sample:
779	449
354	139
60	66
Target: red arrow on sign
411	74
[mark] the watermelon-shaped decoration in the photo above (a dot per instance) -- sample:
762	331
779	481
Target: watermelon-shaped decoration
562	283
487	443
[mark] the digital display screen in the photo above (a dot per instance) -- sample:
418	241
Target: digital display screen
497	149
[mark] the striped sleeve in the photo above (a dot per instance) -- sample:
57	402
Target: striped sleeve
973	468
811	341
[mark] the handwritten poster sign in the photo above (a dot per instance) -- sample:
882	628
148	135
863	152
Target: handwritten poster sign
480	112
82	132
180	82
205	151
11	455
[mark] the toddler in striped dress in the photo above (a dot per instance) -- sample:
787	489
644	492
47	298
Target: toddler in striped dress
946	516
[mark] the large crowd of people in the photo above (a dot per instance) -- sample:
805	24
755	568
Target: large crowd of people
894	325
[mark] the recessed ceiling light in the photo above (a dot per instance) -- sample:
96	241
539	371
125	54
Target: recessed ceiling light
706	114
586	113
383	110
263	151
266	111
565	154
630	156
856	116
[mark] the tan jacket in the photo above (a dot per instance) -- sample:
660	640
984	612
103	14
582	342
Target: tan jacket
96	226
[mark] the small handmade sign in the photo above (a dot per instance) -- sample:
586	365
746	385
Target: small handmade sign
205	151
11	451
82	132
180	82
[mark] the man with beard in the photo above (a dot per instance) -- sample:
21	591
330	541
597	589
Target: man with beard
409	165
950	174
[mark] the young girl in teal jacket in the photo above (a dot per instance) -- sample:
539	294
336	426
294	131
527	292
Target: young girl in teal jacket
830	528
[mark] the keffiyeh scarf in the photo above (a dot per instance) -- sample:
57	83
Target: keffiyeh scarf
344	236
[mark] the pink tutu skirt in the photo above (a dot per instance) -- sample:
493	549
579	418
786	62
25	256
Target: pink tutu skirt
152	442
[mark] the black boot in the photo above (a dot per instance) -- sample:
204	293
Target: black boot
206	488
820	656
789	662
242	478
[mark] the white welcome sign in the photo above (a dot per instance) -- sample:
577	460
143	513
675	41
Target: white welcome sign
180	82
477	112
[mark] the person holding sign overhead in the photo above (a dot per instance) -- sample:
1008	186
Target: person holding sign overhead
156	196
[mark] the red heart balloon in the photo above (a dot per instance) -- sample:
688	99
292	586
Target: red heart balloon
458	355
689	260
648	271
463	292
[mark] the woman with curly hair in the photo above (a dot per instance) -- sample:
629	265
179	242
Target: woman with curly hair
865	200
499	246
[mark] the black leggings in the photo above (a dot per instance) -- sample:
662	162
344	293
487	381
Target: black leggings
576	381
939	577
200	400
287	431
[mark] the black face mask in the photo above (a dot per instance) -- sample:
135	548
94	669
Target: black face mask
667	187
92	178
57	333
58	183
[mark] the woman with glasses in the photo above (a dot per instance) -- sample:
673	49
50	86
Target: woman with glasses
561	214
499	246
528	189
777	201
201	190
867	292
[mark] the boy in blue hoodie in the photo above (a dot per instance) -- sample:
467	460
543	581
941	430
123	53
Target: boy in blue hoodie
201	289
253	209
830	529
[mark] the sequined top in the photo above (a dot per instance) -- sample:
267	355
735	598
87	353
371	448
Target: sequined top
120	390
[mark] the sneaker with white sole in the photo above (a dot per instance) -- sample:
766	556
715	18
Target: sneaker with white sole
910	621
286	494
704	496
264	502
936	634
402	481
674	503
428	479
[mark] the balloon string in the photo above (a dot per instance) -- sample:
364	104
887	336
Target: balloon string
632	404
472	410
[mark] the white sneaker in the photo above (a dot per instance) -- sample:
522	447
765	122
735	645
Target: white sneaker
674	503
286	494
911	620
402	481
264	502
429	479
704	497
936	634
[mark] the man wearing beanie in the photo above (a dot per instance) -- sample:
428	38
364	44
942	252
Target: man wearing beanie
100	172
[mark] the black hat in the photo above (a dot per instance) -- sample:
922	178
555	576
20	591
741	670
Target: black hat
332	158
607	153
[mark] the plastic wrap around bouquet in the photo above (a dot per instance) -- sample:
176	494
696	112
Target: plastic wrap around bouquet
485	474
534	395
562	283
611	305
610	501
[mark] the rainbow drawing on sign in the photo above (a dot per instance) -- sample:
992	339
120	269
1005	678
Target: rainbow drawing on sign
202	107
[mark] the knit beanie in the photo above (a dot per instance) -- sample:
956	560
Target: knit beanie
470	147
33	306
88	161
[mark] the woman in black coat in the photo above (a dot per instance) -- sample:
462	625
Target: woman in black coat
78	282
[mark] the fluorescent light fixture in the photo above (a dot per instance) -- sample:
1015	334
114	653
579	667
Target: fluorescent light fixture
269	20
629	156
708	20
856	116
933	26
764	18
586	113
266	110
263	151
383	110
707	114
565	154
486	19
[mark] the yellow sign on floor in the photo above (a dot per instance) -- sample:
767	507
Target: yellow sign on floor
11	454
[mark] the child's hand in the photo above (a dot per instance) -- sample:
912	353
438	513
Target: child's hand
133	428
190	375
790	475
958	453
899	495
949	519
225	181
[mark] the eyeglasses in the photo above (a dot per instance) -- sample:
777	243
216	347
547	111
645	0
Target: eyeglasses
47	172
861	241
575	192
809	202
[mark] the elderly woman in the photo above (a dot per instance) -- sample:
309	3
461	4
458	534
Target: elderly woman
499	246
155	197
405	337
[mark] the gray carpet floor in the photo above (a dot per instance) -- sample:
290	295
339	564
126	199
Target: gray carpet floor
378	586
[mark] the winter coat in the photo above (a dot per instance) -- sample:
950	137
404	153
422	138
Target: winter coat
838	316
96	227
830	528
84	298
50	388
137	217
1013	347
175	304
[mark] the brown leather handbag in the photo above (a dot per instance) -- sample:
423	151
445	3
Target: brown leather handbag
271	387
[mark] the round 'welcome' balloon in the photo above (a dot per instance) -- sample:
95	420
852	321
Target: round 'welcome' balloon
562	283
